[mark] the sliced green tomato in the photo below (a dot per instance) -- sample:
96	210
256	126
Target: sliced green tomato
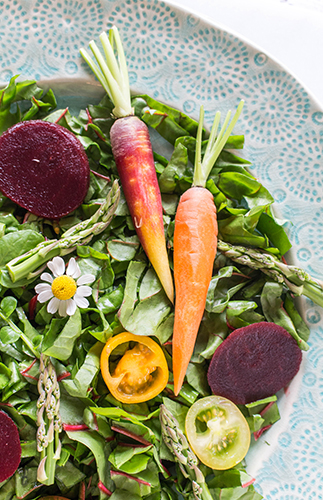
217	432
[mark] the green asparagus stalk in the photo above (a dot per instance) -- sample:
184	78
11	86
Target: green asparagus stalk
32	262
48	421
177	443
296	279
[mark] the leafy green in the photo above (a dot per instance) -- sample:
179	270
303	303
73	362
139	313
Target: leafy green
100	449
78	387
62	346
143	316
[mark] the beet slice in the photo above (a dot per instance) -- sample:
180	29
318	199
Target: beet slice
253	363
10	448
43	168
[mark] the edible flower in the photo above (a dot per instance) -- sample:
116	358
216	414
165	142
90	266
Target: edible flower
64	290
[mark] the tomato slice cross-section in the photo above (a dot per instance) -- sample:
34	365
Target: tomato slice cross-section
217	432
140	374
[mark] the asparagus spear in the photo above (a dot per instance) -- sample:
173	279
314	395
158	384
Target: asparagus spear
296	279
24	266
48	421
177	443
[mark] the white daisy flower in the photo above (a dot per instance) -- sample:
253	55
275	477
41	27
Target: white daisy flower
64	291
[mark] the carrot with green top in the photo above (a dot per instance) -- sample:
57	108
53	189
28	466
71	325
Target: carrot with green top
132	151
195	246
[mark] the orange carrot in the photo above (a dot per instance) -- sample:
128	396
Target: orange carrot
195	246
133	155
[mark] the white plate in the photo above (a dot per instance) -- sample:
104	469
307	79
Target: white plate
179	58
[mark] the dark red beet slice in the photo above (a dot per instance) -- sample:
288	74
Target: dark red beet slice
10	448
253	363
43	168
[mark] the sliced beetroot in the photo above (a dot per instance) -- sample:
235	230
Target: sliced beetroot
253	363
43	168
10	448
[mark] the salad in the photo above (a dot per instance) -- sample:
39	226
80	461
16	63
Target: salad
93	422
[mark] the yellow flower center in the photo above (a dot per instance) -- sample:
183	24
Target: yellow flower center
64	287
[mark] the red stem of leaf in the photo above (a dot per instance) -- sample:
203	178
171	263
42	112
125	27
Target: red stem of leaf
62	376
259	433
32	307
95	422
230	326
89	120
104	489
89	483
75	427
119	473
82	491
267	408
132	445
28	367
166	470
29	376
249	483
24	372
130	434
105	177
62	115
35	101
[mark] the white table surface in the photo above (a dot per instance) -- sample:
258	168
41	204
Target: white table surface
290	31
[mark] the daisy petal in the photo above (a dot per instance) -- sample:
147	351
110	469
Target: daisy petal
73	269
57	266
44	296
52	306
47	277
42	287
62	307
70	307
86	279
80	301
84	291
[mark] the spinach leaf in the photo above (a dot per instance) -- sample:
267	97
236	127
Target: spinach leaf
271	300
142	314
62	346
100	450
78	387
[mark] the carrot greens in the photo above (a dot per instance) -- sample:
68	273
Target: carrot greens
215	144
111	72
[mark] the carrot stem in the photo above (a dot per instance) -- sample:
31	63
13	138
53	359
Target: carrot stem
111	71
215	144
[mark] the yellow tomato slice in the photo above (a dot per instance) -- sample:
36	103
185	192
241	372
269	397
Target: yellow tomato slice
217	432
140	374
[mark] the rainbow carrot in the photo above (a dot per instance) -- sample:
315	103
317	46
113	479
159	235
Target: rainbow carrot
133	155
195	247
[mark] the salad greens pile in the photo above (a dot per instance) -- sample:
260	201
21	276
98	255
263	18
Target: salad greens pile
105	448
